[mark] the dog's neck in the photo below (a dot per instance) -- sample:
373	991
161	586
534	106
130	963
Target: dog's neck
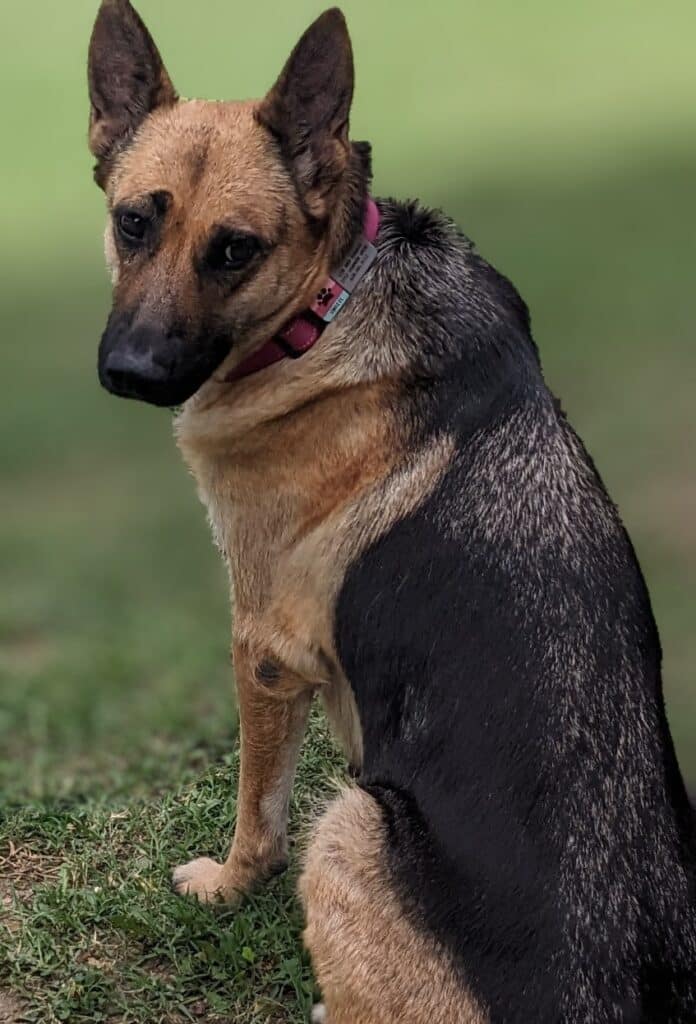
303	330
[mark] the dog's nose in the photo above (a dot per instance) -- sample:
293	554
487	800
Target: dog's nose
156	364
136	362
126	369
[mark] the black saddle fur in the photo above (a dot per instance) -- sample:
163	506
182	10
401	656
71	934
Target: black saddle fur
506	666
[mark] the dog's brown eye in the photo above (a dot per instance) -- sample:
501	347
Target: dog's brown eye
238	251
228	252
132	226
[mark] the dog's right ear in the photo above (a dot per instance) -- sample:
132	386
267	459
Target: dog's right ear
127	81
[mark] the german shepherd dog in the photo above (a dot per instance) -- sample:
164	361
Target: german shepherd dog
413	531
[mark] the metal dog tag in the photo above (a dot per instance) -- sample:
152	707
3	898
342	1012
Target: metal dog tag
356	264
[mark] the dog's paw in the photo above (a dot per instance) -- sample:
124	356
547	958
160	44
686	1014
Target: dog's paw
206	880
319	1014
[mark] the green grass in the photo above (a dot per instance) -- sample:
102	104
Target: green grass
561	138
93	932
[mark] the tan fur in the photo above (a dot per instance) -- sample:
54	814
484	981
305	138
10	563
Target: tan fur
219	167
271	734
372	965
293	502
342	712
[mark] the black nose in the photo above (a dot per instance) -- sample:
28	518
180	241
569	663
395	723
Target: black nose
147	361
140	362
128	368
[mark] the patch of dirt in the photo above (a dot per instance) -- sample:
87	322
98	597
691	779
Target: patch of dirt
10	1009
20	870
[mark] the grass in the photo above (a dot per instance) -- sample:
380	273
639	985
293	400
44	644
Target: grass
562	142
92	932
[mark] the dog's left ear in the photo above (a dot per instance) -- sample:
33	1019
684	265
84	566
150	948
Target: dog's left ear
127	81
307	110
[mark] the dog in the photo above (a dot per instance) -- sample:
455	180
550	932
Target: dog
414	532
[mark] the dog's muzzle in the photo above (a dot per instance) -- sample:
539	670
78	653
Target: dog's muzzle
141	360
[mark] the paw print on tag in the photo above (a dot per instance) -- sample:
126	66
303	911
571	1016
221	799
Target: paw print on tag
329	300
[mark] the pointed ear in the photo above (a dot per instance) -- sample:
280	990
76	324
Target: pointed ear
307	110
127	81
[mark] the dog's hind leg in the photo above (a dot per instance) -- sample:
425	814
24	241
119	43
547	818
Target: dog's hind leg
372	964
273	710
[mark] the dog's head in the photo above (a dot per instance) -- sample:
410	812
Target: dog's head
222	216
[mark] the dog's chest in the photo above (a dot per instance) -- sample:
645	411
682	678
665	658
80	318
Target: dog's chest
253	532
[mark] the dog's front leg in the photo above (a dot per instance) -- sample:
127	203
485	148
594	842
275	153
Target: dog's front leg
273	709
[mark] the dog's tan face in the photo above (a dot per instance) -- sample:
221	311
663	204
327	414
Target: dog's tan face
222	215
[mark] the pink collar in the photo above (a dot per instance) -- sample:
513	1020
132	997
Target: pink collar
301	332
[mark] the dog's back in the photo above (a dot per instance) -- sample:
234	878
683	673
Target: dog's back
506	666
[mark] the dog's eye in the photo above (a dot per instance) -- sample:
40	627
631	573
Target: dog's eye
132	226
237	252
230	251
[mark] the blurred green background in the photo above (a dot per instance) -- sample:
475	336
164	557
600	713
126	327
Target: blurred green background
561	137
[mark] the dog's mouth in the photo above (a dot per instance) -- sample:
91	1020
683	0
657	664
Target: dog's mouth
145	362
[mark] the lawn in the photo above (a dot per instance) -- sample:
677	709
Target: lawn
560	137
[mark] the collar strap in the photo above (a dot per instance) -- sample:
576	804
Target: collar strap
301	332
